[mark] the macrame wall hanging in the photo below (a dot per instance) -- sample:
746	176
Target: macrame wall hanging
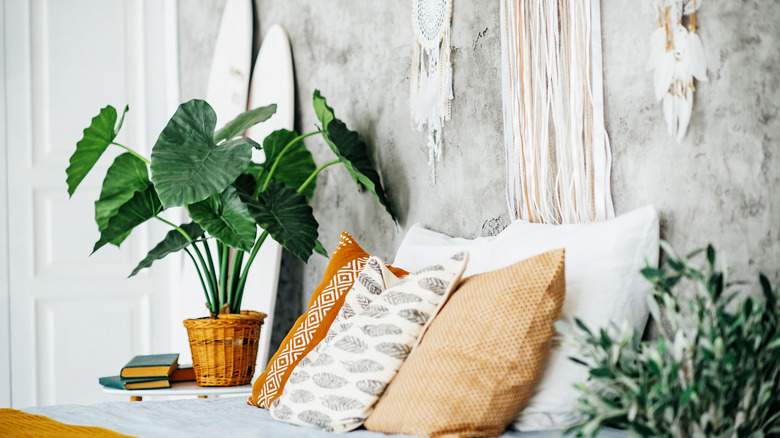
431	76
558	153
676	56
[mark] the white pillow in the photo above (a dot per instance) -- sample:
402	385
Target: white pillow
603	285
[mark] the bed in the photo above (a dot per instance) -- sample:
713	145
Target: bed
222	417
426	394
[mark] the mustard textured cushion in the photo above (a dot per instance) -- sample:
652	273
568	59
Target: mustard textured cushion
346	262
477	364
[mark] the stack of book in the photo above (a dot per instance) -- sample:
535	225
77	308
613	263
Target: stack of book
150	371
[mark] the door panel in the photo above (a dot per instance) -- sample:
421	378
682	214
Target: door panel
75	317
5	308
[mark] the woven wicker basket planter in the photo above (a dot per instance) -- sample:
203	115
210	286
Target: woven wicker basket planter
224	350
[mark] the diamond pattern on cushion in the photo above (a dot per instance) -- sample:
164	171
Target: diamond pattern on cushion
347	261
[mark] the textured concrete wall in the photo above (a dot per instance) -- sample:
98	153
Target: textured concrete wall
718	185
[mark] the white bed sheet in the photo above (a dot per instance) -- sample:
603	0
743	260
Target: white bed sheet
222	417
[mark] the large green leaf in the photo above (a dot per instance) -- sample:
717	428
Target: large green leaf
353	154
324	112
127	175
97	136
244	121
351	150
174	241
225	217
295	166
287	217
187	166
143	206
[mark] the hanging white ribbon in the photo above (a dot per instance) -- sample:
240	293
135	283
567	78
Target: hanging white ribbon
557	149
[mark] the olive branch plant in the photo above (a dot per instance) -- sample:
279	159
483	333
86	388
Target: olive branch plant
233	202
714	371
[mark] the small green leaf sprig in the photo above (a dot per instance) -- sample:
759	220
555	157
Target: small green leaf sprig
228	196
713	372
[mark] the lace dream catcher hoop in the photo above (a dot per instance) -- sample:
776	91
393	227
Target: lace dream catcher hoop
431	76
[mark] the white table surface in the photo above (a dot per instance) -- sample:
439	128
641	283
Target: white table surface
183	388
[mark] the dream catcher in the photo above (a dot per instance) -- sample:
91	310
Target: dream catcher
431	77
677	57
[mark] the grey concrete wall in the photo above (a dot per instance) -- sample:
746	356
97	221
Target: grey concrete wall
718	185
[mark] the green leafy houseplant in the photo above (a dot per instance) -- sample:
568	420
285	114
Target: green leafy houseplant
227	195
713	372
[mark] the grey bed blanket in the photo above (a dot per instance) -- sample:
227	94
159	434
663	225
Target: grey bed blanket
222	417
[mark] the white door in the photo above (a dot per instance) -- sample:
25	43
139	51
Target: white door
75	317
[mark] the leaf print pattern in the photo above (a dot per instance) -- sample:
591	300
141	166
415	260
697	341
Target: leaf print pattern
371	285
315	417
301	396
363	301
347	311
380	330
434	285
323	360
430	268
329	380
414	316
341	403
393	349
363	366
375	265
298	376
376	311
282	412
351	344
459	256
371	387
395	298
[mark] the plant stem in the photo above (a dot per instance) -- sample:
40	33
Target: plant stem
313	176
213	274
209	277
279	157
245	273
132	152
224	259
213	301
202	283
235	293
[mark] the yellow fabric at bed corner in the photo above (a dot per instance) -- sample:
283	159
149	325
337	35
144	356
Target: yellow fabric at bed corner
18	424
481	357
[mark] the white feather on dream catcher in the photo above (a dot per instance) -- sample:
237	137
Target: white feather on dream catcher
677	57
431	76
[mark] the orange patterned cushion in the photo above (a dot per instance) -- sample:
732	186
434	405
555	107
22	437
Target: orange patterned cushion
479	361
345	264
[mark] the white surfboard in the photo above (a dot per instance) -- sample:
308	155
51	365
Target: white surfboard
227	93
272	82
228	87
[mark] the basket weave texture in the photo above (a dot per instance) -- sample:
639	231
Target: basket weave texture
224	350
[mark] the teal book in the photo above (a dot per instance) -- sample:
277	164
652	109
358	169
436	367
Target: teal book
151	365
134	383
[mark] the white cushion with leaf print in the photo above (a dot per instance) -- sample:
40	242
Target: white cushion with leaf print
336	386
371	282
